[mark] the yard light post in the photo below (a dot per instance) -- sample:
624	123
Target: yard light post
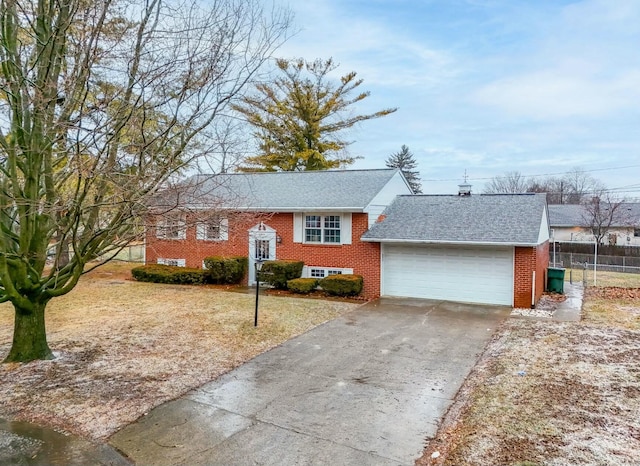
258	266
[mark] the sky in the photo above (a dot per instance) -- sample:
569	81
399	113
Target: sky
488	86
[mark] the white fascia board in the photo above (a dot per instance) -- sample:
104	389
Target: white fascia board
283	209
396	185
445	242
544	231
318	209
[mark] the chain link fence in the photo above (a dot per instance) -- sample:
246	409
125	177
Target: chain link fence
605	275
621	264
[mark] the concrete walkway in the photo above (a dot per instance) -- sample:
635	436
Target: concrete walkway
570	310
366	388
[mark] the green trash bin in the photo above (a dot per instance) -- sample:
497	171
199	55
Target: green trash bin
555	280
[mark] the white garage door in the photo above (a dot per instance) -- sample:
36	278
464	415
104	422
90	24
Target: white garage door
465	274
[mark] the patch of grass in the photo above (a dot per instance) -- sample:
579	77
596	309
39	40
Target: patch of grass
549	393
605	279
124	347
612	307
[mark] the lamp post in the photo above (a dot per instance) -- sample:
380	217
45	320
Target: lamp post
258	266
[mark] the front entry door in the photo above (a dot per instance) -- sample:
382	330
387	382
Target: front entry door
262	246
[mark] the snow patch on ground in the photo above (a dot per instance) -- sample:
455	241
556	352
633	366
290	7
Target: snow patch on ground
545	308
520	311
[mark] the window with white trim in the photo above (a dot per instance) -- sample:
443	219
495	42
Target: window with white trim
322	229
213	229
172	227
321	272
174	262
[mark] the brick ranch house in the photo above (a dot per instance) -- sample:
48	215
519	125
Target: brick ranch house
475	248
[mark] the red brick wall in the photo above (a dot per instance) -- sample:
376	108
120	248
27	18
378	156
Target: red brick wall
194	251
363	258
528	259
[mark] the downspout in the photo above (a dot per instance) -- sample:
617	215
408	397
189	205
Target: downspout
533	290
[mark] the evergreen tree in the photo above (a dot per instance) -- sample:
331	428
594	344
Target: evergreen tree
404	161
298	118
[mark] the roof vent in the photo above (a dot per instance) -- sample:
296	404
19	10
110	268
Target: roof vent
464	189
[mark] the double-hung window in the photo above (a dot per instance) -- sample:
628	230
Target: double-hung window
212	229
172	227
322	229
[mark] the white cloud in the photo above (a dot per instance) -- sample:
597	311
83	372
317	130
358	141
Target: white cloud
487	85
380	52
561	93
580	64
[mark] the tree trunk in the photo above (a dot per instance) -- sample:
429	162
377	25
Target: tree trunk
29	335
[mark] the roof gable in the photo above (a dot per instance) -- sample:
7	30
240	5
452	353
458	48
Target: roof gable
513	219
331	190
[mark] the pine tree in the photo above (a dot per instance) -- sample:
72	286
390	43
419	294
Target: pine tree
299	117
404	161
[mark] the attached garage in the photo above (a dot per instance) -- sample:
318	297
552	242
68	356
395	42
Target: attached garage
451	273
488	249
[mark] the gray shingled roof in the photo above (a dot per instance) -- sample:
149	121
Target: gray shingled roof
573	215
350	190
512	219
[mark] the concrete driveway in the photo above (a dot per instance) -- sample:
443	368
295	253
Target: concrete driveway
366	388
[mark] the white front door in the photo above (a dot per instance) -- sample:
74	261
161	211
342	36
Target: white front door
262	246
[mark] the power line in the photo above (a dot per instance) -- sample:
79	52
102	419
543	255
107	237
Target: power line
537	175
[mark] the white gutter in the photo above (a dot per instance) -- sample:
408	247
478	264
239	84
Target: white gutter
270	210
457	243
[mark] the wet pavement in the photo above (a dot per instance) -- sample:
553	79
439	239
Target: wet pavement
570	310
367	388
22	443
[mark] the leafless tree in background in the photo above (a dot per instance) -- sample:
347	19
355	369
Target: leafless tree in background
102	102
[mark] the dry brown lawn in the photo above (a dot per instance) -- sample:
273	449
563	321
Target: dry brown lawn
549	393
123	347
606	279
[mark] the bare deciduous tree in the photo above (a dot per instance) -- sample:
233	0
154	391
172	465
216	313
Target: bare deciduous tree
102	102
573	188
602	212
510	183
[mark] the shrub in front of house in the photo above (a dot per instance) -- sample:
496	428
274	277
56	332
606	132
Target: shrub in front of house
225	270
156	273
278	273
302	285
342	284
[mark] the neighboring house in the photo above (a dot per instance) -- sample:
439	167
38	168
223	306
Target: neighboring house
487	248
477	248
569	222
315	216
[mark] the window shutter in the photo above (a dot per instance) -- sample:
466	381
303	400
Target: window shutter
224	229
201	231
297	227
346	229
